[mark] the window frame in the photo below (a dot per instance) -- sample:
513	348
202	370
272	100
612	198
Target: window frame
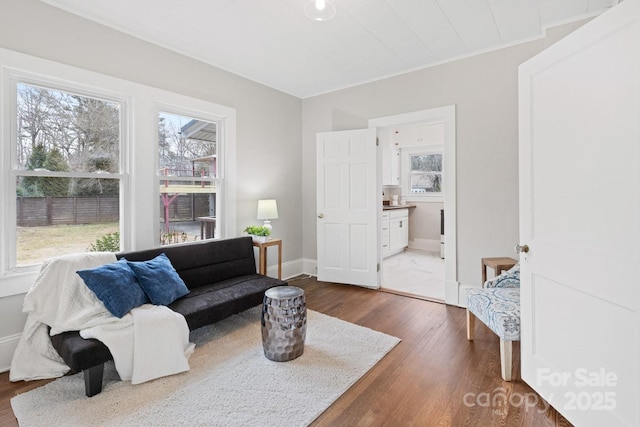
406	172
11	79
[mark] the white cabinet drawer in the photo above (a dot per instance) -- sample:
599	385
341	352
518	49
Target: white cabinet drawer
384	232
398	213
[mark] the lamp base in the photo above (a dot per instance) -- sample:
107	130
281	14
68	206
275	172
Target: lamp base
267	223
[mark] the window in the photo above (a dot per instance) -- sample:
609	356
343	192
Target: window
422	172
66	168
79	162
188	174
426	173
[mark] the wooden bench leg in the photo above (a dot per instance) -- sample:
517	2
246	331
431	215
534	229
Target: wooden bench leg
93	380
505	358
471	325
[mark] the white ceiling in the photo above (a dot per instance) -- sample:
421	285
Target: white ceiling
273	43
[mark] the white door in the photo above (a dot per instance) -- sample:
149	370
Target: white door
580	216
348	207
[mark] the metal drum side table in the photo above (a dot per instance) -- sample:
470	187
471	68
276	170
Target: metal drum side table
284	323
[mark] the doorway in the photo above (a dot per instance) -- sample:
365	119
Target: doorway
414	258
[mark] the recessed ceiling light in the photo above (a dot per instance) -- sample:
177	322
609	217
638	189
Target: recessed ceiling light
320	10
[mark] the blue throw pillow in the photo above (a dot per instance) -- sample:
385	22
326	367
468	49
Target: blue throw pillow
116	286
159	280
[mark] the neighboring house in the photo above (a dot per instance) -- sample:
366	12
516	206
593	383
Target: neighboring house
275	133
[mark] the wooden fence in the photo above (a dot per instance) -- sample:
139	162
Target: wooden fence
187	207
39	211
43	211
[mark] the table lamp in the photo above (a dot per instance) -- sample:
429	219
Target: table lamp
267	210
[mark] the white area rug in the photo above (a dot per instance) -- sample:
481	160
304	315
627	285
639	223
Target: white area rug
230	383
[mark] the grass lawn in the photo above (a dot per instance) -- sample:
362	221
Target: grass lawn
36	244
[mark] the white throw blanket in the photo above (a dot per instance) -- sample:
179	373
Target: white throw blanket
152	332
59	298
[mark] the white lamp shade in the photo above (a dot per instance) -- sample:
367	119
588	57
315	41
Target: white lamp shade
267	209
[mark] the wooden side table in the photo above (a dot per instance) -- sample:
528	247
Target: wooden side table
498	265
207	227
262	262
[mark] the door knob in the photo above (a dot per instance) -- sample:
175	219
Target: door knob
522	248
320	215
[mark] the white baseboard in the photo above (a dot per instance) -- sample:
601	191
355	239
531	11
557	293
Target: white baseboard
425	244
294	268
310	266
8	346
289	269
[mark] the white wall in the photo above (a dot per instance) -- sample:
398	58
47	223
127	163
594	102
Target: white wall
268	121
424	226
484	90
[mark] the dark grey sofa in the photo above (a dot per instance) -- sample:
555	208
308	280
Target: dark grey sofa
221	276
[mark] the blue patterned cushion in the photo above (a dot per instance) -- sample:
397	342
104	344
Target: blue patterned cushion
116	286
498	308
159	280
508	279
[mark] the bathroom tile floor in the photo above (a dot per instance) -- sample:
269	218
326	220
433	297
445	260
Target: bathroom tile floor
414	272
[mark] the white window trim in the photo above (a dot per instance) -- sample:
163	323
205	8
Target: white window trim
139	187
405	175
11	78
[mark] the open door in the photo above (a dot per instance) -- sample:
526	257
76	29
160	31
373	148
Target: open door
348	207
580	218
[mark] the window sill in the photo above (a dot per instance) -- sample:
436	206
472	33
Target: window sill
17	283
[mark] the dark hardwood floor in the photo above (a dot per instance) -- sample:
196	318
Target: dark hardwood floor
434	377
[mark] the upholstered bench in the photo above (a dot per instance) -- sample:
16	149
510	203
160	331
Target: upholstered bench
498	307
